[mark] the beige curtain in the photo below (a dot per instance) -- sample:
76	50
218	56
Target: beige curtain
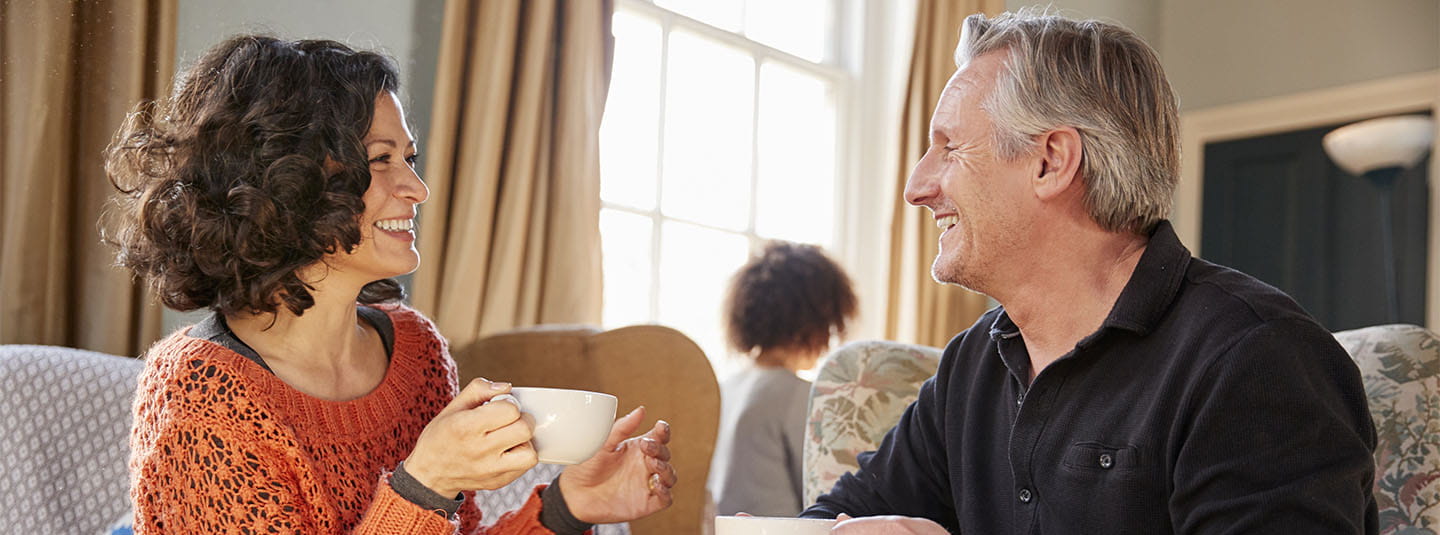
71	71
510	236
920	310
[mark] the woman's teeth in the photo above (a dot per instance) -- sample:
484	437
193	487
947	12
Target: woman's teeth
395	225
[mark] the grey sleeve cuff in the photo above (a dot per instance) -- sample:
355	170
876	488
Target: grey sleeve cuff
555	514
417	493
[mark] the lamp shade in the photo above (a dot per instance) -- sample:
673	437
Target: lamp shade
1399	141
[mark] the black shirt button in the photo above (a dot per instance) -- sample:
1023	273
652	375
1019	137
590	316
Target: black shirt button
1106	461
1025	496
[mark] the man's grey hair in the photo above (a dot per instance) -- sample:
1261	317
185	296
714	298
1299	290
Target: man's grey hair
1100	79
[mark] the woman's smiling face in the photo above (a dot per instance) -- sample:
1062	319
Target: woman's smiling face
387	228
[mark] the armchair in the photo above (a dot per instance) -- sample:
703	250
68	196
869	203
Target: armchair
1400	365
64	431
861	390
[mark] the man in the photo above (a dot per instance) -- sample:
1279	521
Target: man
1122	386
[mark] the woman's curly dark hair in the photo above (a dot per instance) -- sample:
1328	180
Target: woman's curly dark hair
791	296
251	169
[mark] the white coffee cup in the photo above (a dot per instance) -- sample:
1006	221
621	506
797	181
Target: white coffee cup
771	525
570	425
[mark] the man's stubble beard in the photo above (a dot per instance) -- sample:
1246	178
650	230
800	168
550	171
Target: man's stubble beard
956	275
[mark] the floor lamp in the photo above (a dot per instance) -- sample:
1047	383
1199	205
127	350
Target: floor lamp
1380	150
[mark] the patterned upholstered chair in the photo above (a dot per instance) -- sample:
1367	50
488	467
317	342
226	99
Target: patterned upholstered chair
861	390
64	438
1401	368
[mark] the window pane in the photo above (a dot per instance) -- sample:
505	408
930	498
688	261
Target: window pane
695	267
724	14
625	246
796	192
800	27
628	135
709	106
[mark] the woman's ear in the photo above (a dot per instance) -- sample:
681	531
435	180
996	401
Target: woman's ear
331	166
1060	152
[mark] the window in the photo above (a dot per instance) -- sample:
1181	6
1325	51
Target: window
720	132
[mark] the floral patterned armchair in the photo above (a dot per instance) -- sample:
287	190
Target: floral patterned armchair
857	397
1401	368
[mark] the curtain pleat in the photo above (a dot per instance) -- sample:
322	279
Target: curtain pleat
510	236
71	71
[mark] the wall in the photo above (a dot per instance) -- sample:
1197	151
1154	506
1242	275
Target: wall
407	30
1141	16
1227	51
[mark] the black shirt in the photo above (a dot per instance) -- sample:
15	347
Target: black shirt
1207	402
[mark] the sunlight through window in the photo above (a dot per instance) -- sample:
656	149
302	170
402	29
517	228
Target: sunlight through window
719	133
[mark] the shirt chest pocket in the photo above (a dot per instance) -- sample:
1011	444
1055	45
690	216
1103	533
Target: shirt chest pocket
1083	457
1106	488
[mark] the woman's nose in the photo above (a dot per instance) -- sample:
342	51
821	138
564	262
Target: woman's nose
412	188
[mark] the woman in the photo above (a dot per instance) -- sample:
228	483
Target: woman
276	187
782	309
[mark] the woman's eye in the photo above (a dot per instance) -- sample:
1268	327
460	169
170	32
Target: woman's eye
380	159
412	159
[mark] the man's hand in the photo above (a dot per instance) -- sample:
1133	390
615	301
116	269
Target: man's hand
886	525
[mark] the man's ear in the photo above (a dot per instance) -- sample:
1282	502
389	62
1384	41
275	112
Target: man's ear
1060	153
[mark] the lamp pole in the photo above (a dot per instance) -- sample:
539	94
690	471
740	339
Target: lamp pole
1384	180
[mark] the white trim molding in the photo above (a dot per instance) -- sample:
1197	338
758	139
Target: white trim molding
1399	94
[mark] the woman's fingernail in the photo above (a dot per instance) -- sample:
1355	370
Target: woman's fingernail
505	397
499	386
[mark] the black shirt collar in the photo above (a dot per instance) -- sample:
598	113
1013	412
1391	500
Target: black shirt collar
1148	294
1153	287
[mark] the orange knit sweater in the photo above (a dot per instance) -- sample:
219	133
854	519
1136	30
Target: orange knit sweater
221	445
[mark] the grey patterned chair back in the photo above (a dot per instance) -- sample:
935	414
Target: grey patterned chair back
861	390
1401	368
64	433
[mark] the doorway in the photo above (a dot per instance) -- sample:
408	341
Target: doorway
1275	207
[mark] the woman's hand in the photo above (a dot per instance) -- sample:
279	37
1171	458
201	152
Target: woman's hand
627	479
473	444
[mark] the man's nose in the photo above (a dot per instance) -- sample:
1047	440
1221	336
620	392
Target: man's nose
920	187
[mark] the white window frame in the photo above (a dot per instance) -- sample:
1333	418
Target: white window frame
840	78
867	63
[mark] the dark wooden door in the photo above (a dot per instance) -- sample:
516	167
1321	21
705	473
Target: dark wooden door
1277	208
